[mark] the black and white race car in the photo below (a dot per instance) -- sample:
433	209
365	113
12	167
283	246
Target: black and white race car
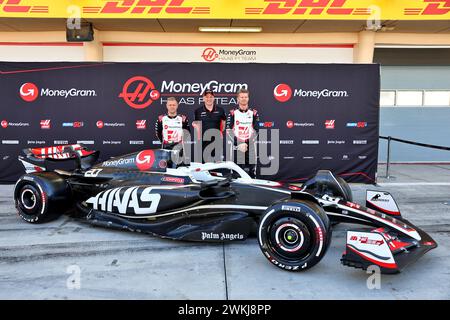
145	192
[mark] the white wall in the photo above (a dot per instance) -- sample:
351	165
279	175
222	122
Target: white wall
115	52
42	52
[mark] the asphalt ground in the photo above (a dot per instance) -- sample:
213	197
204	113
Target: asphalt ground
69	259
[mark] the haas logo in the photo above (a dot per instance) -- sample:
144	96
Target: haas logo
45	124
282	92
28	92
145	160
329	124
141	124
209	54
139	92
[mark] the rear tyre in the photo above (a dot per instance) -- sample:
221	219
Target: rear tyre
41	197
294	235
31	204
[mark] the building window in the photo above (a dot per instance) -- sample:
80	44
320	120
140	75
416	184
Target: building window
436	98
415	98
409	98
387	98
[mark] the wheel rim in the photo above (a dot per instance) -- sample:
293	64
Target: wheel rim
28	199
290	238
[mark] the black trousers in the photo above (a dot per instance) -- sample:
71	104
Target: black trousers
213	155
249	158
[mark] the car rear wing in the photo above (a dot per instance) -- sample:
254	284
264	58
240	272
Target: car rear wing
35	159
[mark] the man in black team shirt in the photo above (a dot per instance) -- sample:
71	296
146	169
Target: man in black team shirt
209	116
242	128
169	127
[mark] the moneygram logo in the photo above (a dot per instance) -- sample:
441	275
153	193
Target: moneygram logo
100	124
290	124
29	92
282	92
171	86
229	55
145	160
139	92
6	124
209	54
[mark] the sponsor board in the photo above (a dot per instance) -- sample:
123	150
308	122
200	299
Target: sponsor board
126	200
221	9
310	142
283	92
29	92
5	124
139	92
222	236
299	122
230	55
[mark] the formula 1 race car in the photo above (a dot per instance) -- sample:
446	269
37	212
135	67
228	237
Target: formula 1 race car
145	192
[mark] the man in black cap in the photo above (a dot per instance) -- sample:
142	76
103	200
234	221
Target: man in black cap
207	117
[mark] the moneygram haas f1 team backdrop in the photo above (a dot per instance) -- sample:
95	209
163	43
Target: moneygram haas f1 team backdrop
327	114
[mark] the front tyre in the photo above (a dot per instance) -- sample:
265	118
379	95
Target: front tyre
348	196
294	234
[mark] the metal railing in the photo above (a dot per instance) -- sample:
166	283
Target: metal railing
389	139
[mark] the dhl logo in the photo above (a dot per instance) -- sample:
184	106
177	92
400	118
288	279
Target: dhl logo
337	7
434	7
135	7
14	6
245	9
312	7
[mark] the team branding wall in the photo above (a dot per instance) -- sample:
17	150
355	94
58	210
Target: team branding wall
222	9
263	53
327	114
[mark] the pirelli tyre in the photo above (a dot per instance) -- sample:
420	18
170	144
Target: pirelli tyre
294	234
39	197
